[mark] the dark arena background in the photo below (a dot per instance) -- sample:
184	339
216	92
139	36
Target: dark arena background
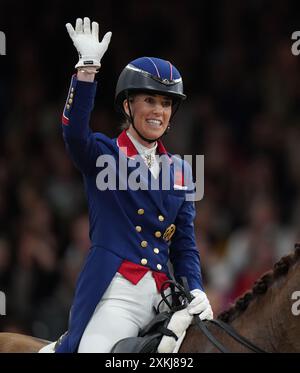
241	74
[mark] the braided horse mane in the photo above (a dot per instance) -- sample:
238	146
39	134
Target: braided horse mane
261	285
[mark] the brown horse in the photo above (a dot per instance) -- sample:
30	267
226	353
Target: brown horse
266	316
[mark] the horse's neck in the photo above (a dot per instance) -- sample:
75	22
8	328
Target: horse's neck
268	317
255	323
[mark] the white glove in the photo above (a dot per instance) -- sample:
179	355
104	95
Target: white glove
179	322
200	305
87	43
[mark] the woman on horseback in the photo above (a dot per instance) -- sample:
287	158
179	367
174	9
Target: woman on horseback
136	229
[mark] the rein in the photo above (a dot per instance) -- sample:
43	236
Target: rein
187	297
239	338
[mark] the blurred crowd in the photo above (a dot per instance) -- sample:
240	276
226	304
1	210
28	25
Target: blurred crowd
242	114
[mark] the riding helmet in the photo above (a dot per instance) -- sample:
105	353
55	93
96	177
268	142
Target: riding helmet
149	74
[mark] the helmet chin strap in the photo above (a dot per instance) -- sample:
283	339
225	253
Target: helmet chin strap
150	141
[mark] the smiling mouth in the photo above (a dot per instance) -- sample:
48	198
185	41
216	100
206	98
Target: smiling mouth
154	123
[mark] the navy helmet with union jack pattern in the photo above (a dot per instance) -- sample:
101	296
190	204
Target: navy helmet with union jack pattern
149	74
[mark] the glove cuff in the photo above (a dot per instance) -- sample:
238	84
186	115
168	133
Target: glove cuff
197	291
87	61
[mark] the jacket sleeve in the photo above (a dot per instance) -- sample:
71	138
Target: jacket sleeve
79	139
184	253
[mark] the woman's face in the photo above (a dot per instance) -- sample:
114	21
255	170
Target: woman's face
151	114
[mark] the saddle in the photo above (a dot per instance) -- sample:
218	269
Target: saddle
149	337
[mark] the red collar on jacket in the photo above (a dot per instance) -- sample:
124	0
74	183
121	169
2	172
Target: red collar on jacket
123	141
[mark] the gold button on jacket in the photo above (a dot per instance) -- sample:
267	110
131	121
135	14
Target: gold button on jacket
144	261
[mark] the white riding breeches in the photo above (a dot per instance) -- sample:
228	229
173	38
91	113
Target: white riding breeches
123	310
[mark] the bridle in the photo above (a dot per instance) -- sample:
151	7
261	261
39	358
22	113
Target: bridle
185	295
